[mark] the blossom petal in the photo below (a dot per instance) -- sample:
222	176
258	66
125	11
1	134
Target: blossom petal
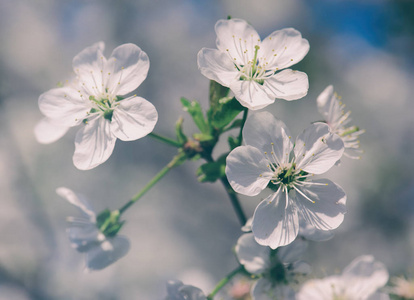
235	36
94	144
126	69
217	66
65	106
254	257
78	200
251	94
89	65
247	171
274	224
327	211
47	132
329	106
364	276
106	253
83	236
262	129
309	232
263	289
178	291
292	252
317	149
134	118
287	84
284	48
321	289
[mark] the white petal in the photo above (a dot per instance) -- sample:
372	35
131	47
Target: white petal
288	85
379	296
309	232
106	253
364	276
292	252
84	236
134	118
317	149
235	35
64	106
263	289
178	291
250	94
94	144
262	129
89	65
329	208
244	165
47	132
288	45
217	66
274	224
321	289
254	257
126	69
78	200
329	107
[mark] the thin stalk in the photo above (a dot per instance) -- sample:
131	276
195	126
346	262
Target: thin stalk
240	140
164	139
234	201
223	282
177	160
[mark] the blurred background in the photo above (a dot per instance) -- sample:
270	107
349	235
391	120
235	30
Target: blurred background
183	229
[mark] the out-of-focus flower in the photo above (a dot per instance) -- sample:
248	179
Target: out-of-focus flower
96	101
251	68
86	237
270	159
359	281
240	290
332	109
176	290
276	268
403	288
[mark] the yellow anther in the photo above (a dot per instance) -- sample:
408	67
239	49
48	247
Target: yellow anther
260	175
109	73
285	48
101	71
290	137
265	153
271	153
270	38
122	68
272	144
291	59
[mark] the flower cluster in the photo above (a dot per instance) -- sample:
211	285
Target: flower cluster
263	157
271	159
96	100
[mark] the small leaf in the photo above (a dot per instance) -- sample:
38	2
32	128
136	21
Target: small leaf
181	137
233	142
210	172
203	137
225	112
194	109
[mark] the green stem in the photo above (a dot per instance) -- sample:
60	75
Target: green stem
240	140
177	160
166	140
224	281
234	201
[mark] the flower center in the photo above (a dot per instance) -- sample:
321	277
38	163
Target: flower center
252	70
104	106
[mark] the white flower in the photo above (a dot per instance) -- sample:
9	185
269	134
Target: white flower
85	236
275	269
271	159
176	290
251	68
332	109
359	281
96	101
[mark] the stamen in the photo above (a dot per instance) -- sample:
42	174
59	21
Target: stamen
300	192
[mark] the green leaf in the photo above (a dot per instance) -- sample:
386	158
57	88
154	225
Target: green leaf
233	142
227	109
194	109
210	172
181	137
217	91
201	137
